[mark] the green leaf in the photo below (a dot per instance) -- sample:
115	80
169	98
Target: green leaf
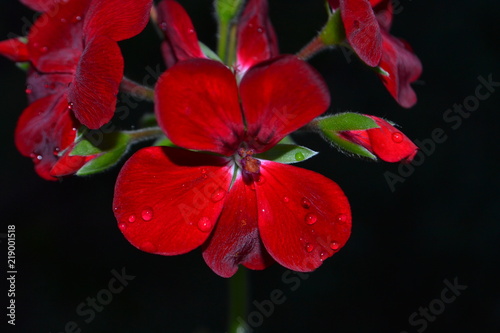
348	121
287	153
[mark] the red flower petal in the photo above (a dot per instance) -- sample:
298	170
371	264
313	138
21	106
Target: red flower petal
389	144
45	128
92	96
179	31
304	217
168	200
362	30
55	41
279	97
403	67
42	5
235	239
384	12
68	165
14	50
117	19
196	104
256	37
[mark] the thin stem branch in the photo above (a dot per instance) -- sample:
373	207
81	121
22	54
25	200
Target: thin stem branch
136	90
238	301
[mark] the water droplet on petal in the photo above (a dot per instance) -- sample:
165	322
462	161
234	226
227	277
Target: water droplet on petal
131	218
37	158
29	89
397	137
260	30
56	151
218	195
342	218
76	19
70	105
322	256
299	156
311	218
305	203
204	224
309	248
261	180
334	246
122	226
44	49
147	214
286	199
190	31
147	247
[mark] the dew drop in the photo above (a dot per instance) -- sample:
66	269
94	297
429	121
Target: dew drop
204	224
299	156
203	171
37	158
56	151
122	226
342	218
190	31
260	30
77	19
70	105
397	137
334	246
309	247
286	199
131	218
29	90
261	180
322	256
311	218
44	49
147	214
147	247
305	203
218	195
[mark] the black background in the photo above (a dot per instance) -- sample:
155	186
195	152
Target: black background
441	223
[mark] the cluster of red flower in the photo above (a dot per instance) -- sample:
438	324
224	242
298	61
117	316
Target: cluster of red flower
223	181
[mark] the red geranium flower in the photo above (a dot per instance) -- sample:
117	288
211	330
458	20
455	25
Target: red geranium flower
256	39
240	209
367	25
385	142
76	69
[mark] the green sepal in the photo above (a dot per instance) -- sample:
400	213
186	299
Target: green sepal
209	53
287	154
109	142
333	32
103	162
24	66
347	146
348	121
381	71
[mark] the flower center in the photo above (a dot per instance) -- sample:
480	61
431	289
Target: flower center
249	165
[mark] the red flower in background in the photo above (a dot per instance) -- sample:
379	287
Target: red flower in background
385	142
240	209
76	69
367	25
256	39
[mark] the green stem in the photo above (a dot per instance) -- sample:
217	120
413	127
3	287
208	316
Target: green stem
238	304
137	90
315	46
223	39
145	133
231	57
